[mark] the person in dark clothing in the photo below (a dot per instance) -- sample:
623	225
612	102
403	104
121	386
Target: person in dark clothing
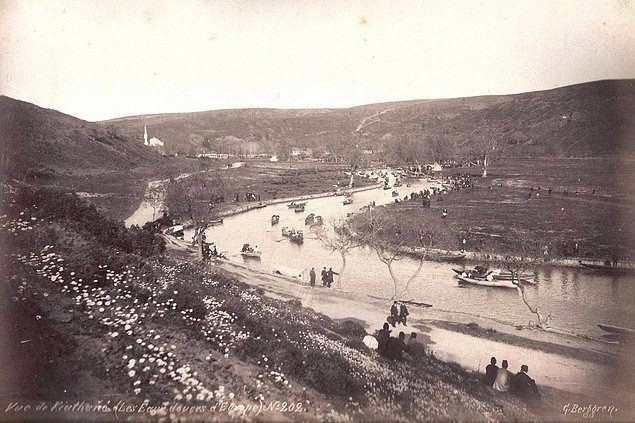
312	277
523	386
490	372
382	336
394	315
395	347
403	313
324	276
329	277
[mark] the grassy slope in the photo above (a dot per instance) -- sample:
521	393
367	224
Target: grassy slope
581	120
99	308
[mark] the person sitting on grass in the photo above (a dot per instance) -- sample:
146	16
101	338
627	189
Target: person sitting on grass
382	335
395	347
490	372
414	346
523	386
501	383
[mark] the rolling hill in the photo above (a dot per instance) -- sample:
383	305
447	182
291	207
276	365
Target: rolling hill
590	119
44	143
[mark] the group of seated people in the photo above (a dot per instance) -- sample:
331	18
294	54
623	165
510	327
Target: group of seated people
395	348
503	380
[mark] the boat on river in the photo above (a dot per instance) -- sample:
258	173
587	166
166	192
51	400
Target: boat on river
317	221
299	208
275	219
347	201
482	272
297	237
616	270
484	282
293	204
616	330
286	231
250	251
451	258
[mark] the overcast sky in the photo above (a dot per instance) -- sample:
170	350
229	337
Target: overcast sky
104	59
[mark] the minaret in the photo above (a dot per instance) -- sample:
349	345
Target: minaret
145	135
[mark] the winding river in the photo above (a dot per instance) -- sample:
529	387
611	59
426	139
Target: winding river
577	299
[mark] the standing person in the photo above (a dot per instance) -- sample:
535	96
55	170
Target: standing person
329	277
490	372
312	277
394	314
403	313
501	383
324	276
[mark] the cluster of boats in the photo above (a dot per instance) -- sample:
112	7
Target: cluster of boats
481	275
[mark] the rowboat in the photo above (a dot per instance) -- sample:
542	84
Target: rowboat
249	251
275	219
452	258
297	237
299	208
609	269
287	271
348	201
616	329
286	231
317	221
395	194
309	219
481	273
293	204
485	282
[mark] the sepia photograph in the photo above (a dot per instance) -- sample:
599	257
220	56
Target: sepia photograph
329	211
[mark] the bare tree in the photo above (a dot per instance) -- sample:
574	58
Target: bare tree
516	264
389	240
197	198
339	237
155	196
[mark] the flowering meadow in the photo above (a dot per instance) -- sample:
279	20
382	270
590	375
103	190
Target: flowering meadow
115	319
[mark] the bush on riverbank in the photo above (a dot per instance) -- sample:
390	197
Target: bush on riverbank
156	328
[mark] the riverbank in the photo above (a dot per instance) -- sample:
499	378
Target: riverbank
560	362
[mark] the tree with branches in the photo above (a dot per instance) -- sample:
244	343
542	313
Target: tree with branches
516	264
389	240
338	237
197	199
155	196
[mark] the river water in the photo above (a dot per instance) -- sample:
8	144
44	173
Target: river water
578	299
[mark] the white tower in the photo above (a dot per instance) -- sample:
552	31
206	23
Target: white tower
145	135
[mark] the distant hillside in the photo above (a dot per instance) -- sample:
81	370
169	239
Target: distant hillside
44	142
583	120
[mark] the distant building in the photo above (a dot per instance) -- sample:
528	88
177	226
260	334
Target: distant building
152	142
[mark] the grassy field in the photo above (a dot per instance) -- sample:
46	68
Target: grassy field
269	180
98	313
499	215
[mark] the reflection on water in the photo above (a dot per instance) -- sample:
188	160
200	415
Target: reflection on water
577	299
